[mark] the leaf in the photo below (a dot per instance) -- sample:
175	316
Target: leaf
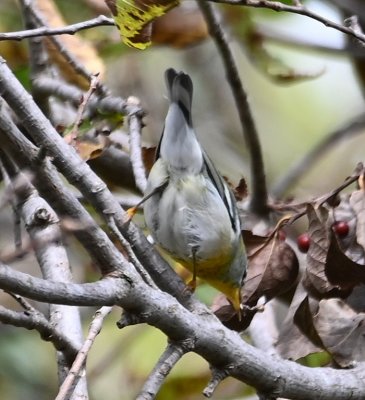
133	18
357	201
181	27
76	45
340	269
225	312
315	279
350	211
303	319
272	268
241	191
253	41
292	342
342	331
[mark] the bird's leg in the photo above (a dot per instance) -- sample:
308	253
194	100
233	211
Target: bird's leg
192	283
132	211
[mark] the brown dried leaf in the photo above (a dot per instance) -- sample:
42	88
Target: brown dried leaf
88	148
303	319
241	191
340	269
225	312
353	217
292	343
357	201
182	26
81	49
342	331
315	279
272	268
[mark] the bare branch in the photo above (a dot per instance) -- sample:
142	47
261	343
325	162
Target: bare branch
221	347
303	165
135	128
295	9
169	358
101	20
90	185
218	375
259	197
80	360
72	135
37	321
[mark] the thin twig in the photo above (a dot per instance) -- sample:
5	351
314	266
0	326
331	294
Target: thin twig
9	197
35	320
302	166
132	257
135	127
73	134
79	363
259	198
301	10
101	20
218	375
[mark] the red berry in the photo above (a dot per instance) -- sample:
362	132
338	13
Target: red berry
303	242
341	228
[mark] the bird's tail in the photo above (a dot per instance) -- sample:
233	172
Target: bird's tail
180	90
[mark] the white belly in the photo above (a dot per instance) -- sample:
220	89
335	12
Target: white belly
194	217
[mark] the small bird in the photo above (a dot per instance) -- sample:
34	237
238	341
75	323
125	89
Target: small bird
189	209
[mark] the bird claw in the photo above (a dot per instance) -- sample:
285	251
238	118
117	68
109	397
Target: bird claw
131	212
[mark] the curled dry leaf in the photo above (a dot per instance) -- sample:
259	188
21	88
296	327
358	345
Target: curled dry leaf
340	269
293	342
357	201
315	279
272	268
182	26
351	211
241	191
81	49
342	331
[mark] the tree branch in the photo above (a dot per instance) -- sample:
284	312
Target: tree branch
301	166
37	321
295	9
101	20
169	358
259	196
78	365
221	347
90	185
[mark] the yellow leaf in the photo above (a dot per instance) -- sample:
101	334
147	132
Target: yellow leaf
134	18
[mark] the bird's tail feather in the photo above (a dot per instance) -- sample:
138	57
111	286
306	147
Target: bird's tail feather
180	90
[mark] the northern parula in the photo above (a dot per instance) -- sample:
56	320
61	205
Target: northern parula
189	209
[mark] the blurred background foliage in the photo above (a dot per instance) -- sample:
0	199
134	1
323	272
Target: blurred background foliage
298	95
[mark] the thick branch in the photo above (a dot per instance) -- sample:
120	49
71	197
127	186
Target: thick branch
90	185
221	347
